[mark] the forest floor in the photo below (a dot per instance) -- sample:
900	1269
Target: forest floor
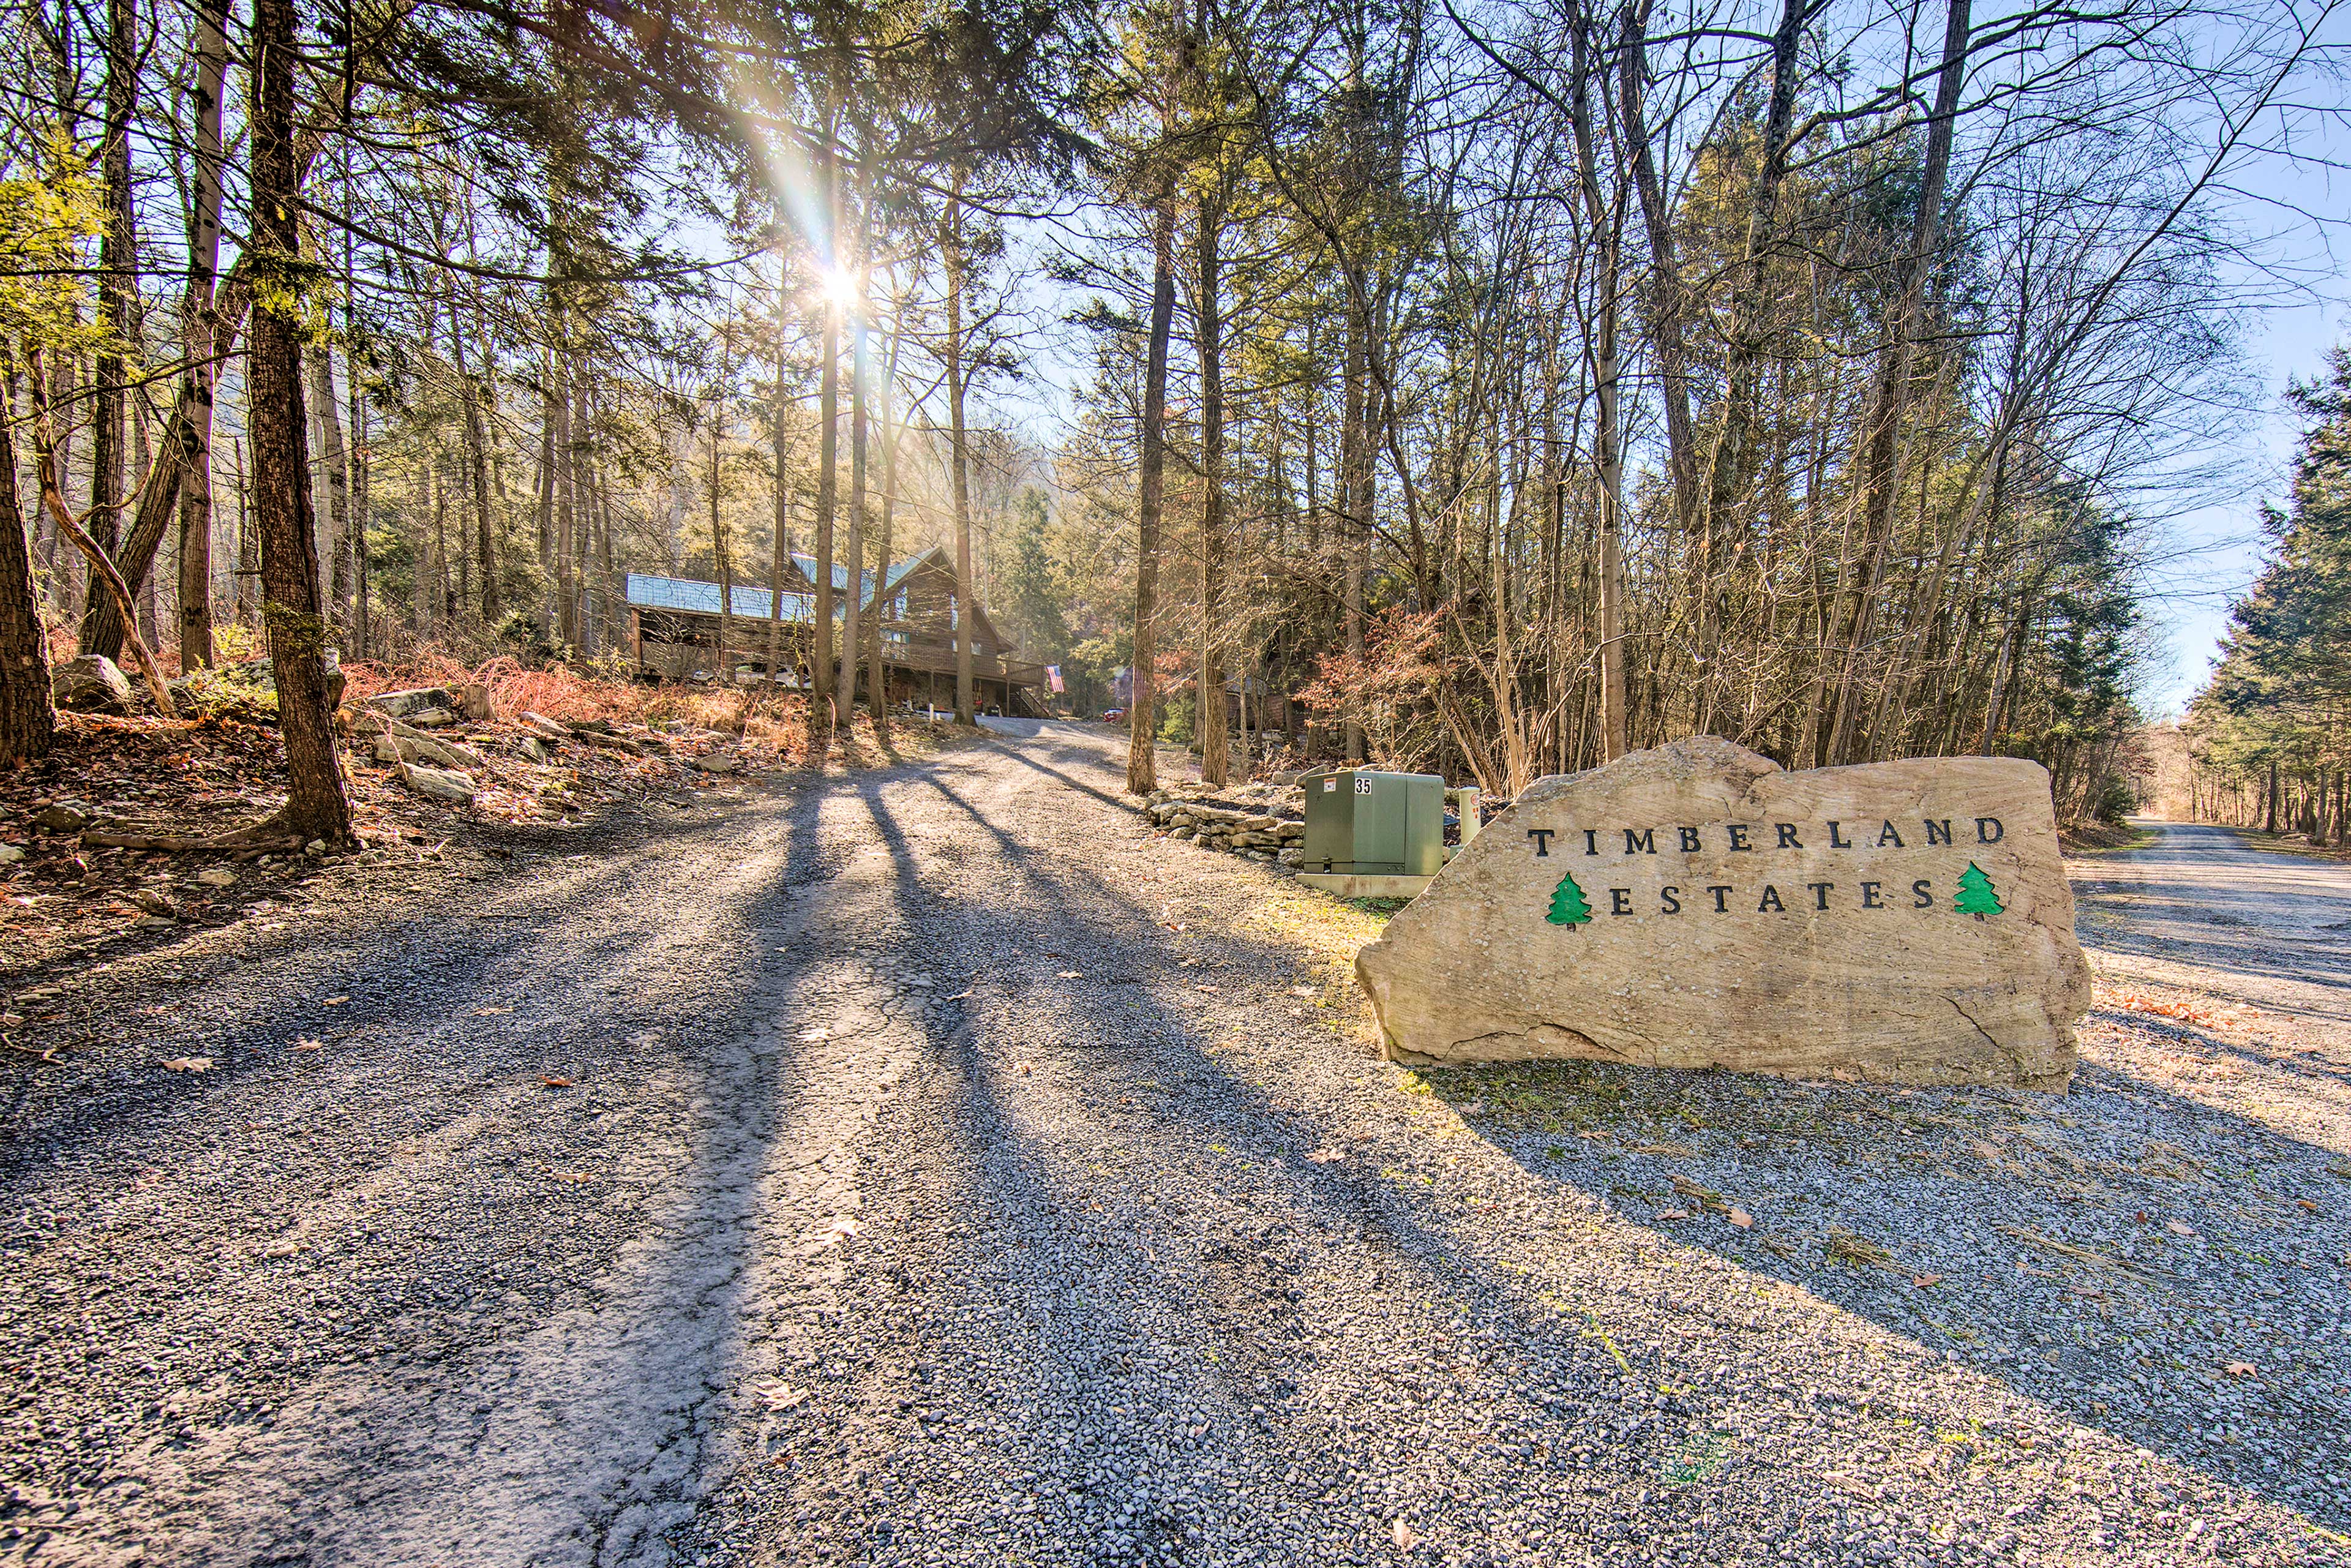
928	1165
64	903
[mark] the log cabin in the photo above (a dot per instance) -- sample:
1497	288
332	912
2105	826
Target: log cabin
674	630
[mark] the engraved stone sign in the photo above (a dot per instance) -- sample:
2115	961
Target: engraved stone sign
1699	906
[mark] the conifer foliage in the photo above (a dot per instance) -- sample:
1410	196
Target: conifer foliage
2275	723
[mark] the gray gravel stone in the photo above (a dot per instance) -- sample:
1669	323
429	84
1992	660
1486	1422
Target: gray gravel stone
628	1211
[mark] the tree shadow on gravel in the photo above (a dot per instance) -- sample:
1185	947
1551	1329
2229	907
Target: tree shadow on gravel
458	1177
1239	1169
2152	1267
1167	1112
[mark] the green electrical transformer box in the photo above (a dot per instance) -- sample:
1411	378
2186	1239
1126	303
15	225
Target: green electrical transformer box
1363	823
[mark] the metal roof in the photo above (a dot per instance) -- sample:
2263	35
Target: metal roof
698	598
896	574
684	593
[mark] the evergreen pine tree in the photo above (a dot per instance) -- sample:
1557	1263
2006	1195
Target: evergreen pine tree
1567	906
1975	895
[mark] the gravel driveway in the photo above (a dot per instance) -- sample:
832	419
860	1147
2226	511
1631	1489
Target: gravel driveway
929	1166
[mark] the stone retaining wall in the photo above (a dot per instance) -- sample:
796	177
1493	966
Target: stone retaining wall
1264	822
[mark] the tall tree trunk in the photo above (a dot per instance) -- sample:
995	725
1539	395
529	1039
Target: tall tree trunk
951	244
118	259
27	719
1601	227
782	540
567	516
545	500
1214	765
1354	492
315	805
1667	295
878	682
1142	762
1890	394
65	573
827	494
199	323
1733	462
725	669
355	456
248	558
477	466
51	475
422	607
860	369
1667	307
334	468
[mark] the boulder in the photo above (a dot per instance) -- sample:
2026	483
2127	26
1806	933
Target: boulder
1696	907
415	700
437	784
91	683
401	744
532	747
545	725
216	876
62	818
715	762
11	854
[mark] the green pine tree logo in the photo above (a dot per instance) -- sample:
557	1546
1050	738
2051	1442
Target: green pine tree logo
1567	906
1976	894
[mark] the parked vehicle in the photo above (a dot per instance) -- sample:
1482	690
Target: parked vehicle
1112	715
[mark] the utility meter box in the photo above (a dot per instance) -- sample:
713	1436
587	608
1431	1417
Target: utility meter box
1361	823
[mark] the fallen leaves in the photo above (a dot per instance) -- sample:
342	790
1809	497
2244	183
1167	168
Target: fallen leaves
2183	1011
308	1044
334	1002
490	1012
549	1081
1406	1538
2180	1228
779	1395
2244	1369
1926	1282
188	1064
841	1229
1740	1217
1325	1157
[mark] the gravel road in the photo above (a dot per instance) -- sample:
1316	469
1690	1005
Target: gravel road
927	1165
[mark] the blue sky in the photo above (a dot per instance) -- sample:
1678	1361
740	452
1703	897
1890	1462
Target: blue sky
2290	323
